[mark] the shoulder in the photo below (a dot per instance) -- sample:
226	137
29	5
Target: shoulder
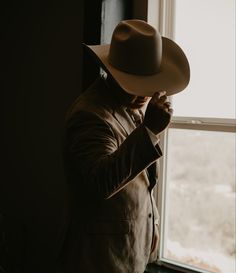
95	101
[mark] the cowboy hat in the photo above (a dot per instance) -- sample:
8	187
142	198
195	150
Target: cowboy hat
141	61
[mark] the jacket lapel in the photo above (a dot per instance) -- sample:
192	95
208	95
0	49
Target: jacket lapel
118	113
124	120
126	123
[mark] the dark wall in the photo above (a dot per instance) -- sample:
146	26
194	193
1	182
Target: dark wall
42	63
44	70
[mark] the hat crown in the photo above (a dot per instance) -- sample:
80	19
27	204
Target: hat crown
136	48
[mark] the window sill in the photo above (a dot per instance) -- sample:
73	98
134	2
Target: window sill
154	268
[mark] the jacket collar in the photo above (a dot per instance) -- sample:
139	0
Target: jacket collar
119	113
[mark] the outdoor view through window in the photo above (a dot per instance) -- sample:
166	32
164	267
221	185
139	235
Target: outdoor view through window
199	218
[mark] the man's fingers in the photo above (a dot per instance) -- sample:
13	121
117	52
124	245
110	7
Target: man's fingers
158	113
161	101
168	103
161	94
158	95
170	111
166	107
159	98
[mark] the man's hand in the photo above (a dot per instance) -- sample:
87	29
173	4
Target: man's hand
158	113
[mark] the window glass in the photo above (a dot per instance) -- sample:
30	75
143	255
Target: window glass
200	200
205	29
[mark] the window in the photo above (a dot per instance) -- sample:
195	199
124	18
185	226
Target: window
200	198
197	191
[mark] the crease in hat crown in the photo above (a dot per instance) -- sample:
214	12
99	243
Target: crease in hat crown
136	48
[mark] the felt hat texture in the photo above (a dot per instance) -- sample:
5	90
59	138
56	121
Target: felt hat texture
142	61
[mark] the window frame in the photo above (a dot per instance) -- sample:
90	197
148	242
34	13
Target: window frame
189	123
165	10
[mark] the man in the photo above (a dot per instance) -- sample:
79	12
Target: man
112	148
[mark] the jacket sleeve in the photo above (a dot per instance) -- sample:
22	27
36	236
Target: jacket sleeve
104	166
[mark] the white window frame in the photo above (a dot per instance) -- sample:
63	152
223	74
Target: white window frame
189	123
164	21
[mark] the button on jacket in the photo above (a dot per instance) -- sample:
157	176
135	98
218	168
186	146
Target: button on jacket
109	165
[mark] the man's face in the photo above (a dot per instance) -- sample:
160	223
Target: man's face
128	100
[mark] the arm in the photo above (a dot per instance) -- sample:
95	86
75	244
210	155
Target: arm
105	167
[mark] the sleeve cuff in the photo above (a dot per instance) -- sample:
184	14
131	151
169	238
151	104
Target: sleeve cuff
155	139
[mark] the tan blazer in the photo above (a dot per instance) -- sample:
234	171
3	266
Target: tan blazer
113	213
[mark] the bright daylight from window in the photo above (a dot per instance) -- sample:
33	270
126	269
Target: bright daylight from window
199	217
206	31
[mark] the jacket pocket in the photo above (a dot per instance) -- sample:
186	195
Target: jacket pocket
108	227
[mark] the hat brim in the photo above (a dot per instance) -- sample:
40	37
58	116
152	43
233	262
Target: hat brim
173	76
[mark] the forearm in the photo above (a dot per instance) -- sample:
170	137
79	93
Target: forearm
104	166
116	170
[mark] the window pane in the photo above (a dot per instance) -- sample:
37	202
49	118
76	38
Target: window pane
200	199
206	31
